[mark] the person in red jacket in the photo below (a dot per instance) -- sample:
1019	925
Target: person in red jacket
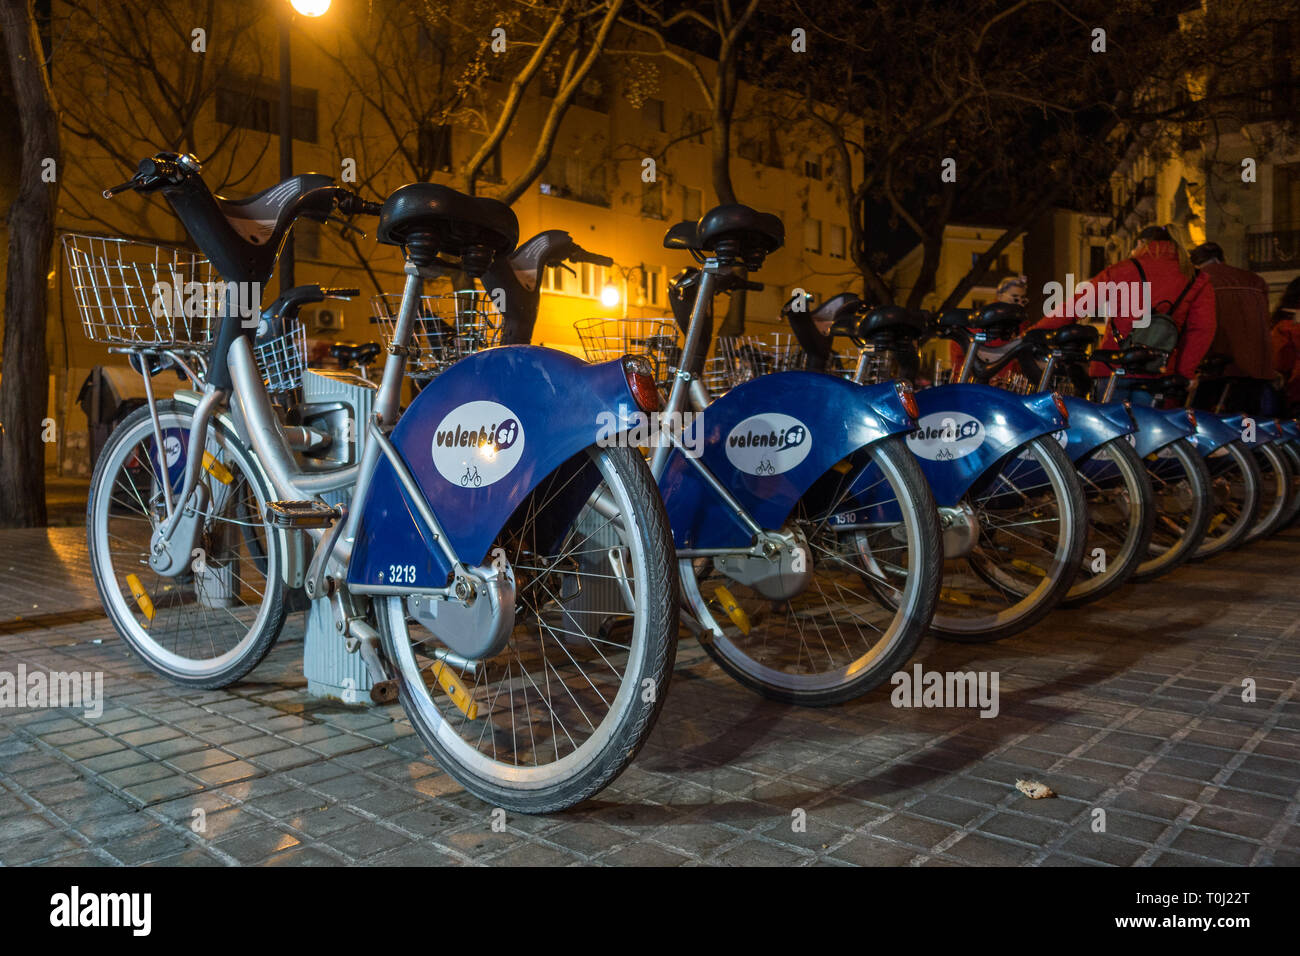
1169	274
1286	343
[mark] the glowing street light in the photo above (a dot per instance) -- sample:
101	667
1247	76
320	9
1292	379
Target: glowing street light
311	8
609	296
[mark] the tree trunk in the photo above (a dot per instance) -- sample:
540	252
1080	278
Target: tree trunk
25	372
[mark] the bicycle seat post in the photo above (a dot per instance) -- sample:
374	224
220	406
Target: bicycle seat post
388	399
679	393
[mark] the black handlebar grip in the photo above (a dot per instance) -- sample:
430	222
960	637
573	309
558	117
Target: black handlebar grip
350	204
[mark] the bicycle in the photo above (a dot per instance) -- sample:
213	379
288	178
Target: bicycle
463	602
1010	501
788	524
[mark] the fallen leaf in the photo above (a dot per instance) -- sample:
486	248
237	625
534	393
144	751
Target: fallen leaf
1034	790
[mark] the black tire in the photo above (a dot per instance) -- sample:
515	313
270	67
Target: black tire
849	676
657	616
1181	484
1028	603
1120	517
1234	499
1292	452
1274	491
110	500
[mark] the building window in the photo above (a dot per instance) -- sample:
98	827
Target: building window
1096	260
592	93
652	291
588	283
812	168
652	200
694	125
572	177
763	148
691	200
812	235
433	150
653	112
1286	194
838	241
249	103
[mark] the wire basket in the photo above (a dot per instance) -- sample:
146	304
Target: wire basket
659	340
140	294
716	377
447	328
283	359
747	356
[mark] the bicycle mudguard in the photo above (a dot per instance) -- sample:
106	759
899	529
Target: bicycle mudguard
1290	429
1212	433
1092	424
477	440
767	441
965	430
1266	429
1158	428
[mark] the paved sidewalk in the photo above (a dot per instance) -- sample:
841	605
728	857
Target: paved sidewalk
1133	707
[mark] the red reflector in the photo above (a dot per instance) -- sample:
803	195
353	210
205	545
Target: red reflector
1191	418
1059	402
909	399
641	383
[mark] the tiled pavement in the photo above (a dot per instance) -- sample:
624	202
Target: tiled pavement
1133	707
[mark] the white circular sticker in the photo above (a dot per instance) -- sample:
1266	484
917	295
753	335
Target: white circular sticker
946	436
768	444
171	449
477	443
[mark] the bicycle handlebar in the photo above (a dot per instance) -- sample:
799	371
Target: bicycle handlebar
579	254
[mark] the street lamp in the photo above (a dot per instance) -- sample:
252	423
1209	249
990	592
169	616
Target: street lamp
308	8
609	296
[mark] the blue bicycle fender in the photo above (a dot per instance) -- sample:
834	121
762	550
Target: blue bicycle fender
1212	433
767	441
1158	428
987	423
477	440
1092	425
1266	430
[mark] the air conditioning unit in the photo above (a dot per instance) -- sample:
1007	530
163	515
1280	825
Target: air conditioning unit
329	320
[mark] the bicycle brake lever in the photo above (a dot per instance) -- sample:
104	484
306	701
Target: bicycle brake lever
345	226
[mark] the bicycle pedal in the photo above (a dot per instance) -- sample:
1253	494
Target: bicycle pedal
301	514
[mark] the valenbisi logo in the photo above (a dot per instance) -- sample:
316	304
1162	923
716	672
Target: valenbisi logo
477	444
55	689
768	444
949	689
945	436
76	909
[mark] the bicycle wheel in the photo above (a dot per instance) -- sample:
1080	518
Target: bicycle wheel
1181	484
1030	523
213	623
1292	509
1121	518
1274	491
874	552
564	707
1234	499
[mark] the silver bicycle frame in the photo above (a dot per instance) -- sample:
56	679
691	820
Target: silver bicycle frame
260	428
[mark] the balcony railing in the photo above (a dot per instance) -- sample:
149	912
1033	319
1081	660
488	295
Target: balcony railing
1274	248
